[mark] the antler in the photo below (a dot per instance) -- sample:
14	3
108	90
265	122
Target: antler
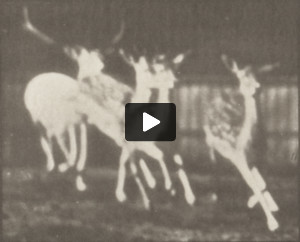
179	58
268	67
27	25
116	39
128	59
120	34
72	52
230	63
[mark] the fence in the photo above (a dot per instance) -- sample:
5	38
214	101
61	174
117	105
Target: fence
277	104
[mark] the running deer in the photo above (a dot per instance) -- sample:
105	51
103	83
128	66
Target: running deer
164	81
49	98
103	89
228	131
158	74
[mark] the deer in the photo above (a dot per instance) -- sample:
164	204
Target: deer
158	74
228	131
89	72
164	81
49	99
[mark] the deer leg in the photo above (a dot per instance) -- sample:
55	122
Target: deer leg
47	148
120	194
151	150
83	148
62	145
242	166
209	142
142	189
260	183
81	186
215	171
147	174
216	181
73	145
212	155
253	200
188	192
72	154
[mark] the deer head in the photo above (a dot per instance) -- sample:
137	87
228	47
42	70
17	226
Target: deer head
164	69
246	77
90	63
157	73
141	67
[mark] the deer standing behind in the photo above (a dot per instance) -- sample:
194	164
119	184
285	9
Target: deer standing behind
50	100
228	129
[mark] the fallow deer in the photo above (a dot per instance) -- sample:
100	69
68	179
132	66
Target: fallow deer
228	129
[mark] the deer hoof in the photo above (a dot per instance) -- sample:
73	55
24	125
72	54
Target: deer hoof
168	185
147	205
213	198
121	196
80	184
273	225
173	192
50	166
190	199
63	167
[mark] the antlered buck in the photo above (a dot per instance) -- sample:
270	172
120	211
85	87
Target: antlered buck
51	100
228	129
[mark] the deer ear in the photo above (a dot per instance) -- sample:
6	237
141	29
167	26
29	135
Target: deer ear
128	59
72	52
97	53
268	68
143	62
229	63
178	59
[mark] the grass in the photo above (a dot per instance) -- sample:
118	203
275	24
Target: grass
41	206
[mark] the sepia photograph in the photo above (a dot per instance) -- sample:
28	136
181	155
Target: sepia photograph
149	120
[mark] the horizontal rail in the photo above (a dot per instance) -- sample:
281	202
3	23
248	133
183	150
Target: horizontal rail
227	80
277	135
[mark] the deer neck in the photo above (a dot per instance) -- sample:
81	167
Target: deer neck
250	118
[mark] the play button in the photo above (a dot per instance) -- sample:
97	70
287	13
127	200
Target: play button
149	122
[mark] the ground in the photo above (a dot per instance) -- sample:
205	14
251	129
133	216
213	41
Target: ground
46	207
